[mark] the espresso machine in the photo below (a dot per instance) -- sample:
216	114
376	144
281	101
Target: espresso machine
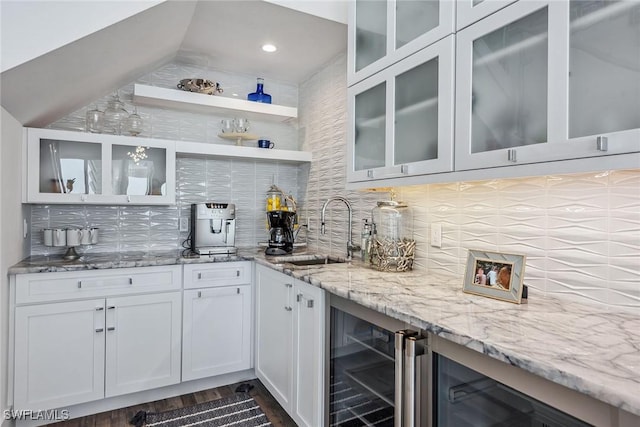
213	228
281	236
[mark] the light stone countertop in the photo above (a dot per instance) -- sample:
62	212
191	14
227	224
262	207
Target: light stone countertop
587	348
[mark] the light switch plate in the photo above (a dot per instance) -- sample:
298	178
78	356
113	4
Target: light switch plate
436	235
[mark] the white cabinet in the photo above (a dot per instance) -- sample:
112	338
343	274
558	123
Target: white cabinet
383	32
143	342
543	81
401	119
218	318
290	321
470	11
76	167
59	354
110	337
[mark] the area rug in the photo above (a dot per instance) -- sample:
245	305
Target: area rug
239	410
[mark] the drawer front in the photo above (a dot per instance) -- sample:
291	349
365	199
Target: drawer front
46	287
218	274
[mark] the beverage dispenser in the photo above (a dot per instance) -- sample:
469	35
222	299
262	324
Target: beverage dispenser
392	244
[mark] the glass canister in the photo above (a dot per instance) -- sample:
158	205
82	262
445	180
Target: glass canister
275	198
392	244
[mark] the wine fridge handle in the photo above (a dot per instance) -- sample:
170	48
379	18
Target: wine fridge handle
399	374
413	347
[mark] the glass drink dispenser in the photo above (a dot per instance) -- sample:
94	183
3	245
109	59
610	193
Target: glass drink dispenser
392	243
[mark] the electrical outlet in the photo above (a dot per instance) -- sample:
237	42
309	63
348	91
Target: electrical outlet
436	235
184	224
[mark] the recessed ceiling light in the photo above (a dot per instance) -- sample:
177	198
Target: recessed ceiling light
269	48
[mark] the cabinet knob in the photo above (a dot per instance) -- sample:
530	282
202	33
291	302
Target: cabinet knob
511	155
288	285
129	199
288	308
602	143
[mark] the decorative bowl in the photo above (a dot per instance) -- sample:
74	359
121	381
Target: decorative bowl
200	86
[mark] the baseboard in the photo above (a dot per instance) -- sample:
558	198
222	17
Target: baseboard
117	402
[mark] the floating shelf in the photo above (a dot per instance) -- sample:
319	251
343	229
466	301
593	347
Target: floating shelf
219	150
201	103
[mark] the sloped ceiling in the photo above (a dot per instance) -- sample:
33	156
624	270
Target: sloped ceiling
53	85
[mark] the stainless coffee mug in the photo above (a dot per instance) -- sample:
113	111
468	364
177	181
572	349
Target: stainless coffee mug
48	237
85	236
73	236
94	235
59	237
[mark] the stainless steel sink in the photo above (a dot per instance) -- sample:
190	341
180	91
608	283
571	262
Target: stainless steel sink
316	261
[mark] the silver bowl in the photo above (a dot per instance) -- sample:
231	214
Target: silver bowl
200	86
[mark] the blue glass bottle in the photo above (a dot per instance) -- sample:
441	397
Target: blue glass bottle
259	95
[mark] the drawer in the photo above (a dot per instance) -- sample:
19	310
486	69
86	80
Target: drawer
217	274
45	287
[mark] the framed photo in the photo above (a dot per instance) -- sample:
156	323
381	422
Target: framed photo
495	275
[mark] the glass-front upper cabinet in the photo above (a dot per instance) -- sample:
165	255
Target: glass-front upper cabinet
75	167
470	11
541	81
401	119
382	32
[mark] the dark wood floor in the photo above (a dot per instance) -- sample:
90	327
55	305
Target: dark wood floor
121	417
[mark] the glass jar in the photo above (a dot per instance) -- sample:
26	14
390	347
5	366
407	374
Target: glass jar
115	115
274	199
392	243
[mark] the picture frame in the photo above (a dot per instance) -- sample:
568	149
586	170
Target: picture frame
495	275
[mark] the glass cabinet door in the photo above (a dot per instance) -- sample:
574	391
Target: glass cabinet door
401	119
70	167
138	170
470	11
503	71
368	126
604	67
383	32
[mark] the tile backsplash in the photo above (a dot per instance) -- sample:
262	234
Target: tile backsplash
580	232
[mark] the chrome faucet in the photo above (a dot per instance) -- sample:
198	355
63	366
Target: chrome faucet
351	247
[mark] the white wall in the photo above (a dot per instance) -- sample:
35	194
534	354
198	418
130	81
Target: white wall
12	245
33	28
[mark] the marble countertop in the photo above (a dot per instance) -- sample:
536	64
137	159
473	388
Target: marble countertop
587	348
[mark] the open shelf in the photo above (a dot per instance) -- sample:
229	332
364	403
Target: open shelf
220	150
201	103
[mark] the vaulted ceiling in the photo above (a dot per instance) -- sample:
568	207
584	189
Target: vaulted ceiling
230	33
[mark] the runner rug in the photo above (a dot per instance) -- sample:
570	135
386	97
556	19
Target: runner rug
239	410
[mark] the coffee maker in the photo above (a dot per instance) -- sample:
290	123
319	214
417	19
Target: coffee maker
281	236
213	228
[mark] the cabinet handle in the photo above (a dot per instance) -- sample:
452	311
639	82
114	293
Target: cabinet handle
298	297
288	285
99	308
131	280
404	169
111	307
79	284
100	330
199	276
111	328
237	273
511	155
310	303
83	198
602	143
238	290
199	294
129	199
370	173
288	308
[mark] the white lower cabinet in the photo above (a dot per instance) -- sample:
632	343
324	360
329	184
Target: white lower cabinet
217	319
143	342
217	331
59	354
103	343
290	334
